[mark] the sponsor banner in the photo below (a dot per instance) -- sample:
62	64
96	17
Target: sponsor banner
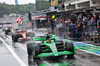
54	2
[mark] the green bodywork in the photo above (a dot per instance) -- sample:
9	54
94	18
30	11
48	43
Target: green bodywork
53	48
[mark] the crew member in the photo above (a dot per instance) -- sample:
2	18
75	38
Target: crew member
79	28
92	25
98	24
52	24
84	22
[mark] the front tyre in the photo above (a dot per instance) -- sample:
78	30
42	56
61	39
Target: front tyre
70	47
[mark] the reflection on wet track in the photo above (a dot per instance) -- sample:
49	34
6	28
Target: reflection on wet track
54	61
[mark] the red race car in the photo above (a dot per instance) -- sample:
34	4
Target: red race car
21	34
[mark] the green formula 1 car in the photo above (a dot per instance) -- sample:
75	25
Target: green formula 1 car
48	46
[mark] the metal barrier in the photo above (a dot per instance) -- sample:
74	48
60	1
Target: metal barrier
92	35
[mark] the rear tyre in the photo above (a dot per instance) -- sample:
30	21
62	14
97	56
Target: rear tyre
14	38
70	47
6	32
36	51
33	49
29	48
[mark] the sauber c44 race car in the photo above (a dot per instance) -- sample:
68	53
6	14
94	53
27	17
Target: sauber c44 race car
49	46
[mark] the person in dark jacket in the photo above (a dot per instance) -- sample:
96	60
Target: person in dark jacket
84	22
88	17
52	24
96	17
92	25
98	24
79	28
69	22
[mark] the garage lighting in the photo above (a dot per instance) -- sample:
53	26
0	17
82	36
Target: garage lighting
97	34
90	34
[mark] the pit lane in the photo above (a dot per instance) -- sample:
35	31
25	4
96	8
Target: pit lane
80	59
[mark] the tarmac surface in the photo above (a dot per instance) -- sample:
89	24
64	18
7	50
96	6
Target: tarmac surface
15	54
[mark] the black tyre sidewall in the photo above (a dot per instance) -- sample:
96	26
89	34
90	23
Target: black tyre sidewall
6	32
14	38
31	48
69	47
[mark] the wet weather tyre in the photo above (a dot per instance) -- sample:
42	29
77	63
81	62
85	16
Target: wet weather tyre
70	47
6	32
14	38
33	49
36	51
29	48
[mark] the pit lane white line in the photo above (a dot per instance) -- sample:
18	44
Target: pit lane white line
13	53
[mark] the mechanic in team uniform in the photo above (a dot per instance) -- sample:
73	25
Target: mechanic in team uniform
92	25
98	24
79	29
69	22
52	23
84	22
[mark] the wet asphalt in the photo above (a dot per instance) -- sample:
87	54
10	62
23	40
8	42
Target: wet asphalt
20	48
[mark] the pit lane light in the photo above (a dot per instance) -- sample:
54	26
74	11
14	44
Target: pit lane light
97	34
53	16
